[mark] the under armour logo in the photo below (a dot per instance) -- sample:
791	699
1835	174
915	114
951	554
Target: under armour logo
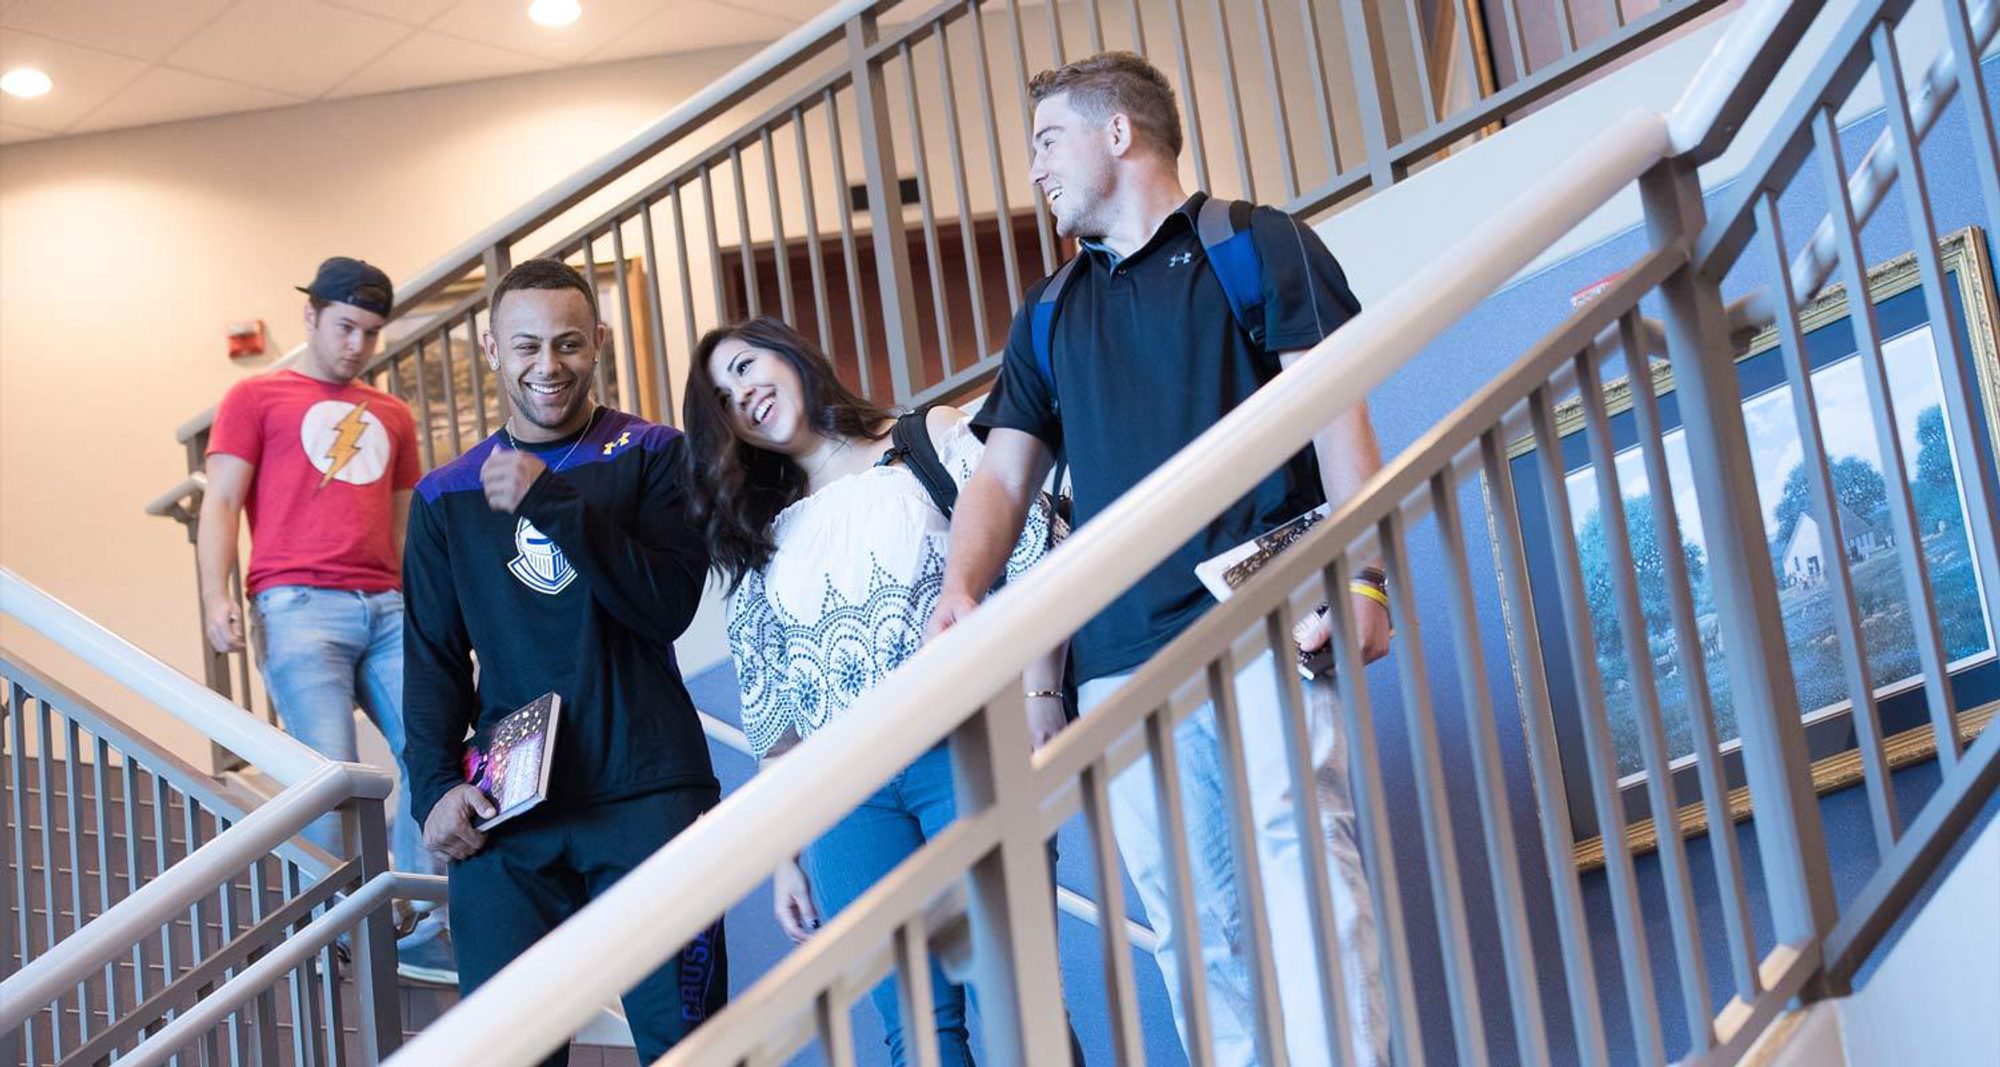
1180	259
623	439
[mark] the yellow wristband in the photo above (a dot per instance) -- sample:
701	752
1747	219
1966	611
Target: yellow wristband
1369	590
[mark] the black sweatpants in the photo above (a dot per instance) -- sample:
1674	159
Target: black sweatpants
542	867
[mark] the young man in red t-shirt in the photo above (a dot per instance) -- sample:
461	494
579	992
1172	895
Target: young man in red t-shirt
324	465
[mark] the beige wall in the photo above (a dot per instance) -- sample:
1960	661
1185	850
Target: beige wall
122	256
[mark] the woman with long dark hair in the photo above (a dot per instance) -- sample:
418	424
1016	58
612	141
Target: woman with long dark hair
834	553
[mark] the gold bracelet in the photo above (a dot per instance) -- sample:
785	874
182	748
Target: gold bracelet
1052	693
1369	590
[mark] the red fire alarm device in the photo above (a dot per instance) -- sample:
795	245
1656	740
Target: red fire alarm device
247	339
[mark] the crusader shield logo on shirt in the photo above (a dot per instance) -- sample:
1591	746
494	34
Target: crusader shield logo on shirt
538	563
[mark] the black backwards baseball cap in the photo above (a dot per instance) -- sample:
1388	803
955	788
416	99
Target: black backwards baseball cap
352	281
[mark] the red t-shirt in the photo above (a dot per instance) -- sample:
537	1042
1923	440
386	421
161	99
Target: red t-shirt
330	459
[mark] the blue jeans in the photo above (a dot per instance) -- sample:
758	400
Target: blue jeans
1223	942
322	652
847	860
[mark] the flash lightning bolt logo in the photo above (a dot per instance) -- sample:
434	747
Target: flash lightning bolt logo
346	442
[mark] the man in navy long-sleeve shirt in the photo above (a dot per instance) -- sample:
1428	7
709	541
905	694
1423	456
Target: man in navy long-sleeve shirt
558	554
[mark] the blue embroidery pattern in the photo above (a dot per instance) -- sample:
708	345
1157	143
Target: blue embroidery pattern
795	675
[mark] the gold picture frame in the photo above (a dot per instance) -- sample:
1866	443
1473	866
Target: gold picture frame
1968	265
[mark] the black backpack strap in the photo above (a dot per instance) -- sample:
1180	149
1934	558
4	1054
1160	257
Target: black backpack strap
911	440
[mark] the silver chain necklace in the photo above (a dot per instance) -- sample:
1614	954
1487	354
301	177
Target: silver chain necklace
564	461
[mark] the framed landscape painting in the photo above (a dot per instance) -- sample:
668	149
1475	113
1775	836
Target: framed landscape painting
1934	471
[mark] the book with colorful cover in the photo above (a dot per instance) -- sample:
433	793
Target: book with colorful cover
512	766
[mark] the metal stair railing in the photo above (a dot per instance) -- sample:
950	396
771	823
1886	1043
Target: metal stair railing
989	867
155	910
782	186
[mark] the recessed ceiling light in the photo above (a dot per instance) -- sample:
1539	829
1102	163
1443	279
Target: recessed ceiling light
26	82
555	12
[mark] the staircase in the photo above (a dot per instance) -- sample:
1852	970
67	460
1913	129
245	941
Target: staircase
206	949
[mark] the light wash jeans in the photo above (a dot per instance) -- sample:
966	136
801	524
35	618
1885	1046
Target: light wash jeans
860	849
322	652
1224	943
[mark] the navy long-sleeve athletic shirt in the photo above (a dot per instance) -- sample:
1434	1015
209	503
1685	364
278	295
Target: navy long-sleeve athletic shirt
582	591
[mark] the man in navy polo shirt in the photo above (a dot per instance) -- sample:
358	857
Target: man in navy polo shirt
1143	354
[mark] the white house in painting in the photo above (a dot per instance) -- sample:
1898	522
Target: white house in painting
1804	557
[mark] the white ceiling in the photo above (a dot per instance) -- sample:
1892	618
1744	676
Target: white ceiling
120	63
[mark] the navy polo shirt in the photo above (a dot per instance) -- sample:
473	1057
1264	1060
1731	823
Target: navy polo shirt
1146	357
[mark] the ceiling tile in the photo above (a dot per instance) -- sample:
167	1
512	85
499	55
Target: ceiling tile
687	25
434	59
798	11
166	95
83	79
10	134
292	46
414	12
136	28
505	23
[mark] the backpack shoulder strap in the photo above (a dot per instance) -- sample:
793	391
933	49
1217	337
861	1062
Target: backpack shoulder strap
911	440
1042	323
1224	228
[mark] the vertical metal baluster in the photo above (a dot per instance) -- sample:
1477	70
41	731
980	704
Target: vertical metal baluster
722	310
1510	905
1976	106
1840	583
781	250
681	263
451	393
1096	19
330	1004
1511	11
1322	87
1199	1029
1120	984
226	913
242	659
50	905
747	249
928	207
913	993
160	865
815	256
1723	850
299	979
424	436
1233	100
836	1030
975	290
101	810
1567	24
628	347
1468	1027
1875	374
476	360
1138	26
1371	814
1961	388
1275	82
1625	907
267	998
1308	819
1617	12
1009	258
17	796
849	258
73	808
625	400
1420	48
1055	34
656	317
1028	124
1190	109
130	800
1683	923
1269	1014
